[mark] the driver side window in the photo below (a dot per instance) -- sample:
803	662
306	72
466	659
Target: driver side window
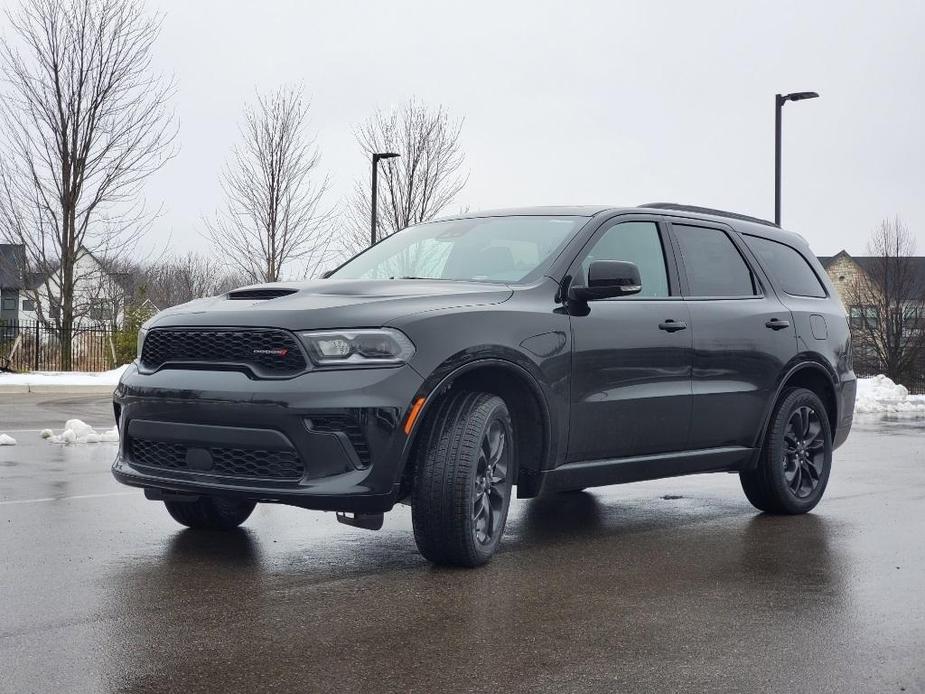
636	242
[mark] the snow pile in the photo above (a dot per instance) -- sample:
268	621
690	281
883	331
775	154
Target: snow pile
64	378
880	395
7	440
77	431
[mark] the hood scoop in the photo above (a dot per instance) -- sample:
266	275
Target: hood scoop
259	294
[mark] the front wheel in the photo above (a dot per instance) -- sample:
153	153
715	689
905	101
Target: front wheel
464	474
210	512
793	468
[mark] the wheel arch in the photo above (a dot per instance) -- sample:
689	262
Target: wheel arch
814	376
526	403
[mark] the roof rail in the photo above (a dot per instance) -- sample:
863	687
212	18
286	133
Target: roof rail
709	210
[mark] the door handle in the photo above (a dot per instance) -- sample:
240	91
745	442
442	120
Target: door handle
777	324
672	326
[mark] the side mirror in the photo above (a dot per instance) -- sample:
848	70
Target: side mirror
608	279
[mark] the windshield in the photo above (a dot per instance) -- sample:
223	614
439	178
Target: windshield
489	249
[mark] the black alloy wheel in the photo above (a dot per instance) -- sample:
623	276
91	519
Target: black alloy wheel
492	488
804	451
793	467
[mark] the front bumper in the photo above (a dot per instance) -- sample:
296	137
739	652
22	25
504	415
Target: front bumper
338	433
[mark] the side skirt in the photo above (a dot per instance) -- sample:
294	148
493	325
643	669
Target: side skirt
597	473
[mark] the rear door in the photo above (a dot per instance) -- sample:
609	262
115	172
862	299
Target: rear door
742	335
631	359
819	319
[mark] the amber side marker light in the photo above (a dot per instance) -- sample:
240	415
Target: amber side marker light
413	415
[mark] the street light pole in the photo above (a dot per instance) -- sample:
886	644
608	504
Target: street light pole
779	101
778	112
375	197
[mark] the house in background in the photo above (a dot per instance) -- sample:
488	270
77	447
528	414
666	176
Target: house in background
12	283
887	327
100	294
846	270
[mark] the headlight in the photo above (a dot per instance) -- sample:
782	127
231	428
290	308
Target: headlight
381	347
141	341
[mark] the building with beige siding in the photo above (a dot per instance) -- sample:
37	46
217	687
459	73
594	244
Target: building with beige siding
886	327
846	271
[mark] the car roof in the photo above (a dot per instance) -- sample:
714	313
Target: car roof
534	211
742	223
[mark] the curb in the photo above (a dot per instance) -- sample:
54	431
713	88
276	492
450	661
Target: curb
52	389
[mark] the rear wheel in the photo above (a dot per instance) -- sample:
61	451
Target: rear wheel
794	465
210	512
464	475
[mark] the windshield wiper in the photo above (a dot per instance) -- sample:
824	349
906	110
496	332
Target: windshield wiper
410	277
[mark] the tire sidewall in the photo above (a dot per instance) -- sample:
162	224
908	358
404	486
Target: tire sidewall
210	513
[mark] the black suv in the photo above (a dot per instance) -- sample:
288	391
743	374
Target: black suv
549	348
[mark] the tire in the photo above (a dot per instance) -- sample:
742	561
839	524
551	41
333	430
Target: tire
795	461
464	474
210	512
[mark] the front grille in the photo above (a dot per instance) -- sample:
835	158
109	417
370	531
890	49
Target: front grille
270	353
230	462
349	426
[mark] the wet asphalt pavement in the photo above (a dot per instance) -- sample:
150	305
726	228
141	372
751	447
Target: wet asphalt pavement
674	585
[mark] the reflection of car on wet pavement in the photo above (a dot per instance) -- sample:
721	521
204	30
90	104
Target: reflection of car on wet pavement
667	585
561	348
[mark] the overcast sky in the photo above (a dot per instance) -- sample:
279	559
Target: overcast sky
613	102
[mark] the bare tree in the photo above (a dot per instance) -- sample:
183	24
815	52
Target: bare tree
272	217
84	122
108	292
887	300
414	187
177	280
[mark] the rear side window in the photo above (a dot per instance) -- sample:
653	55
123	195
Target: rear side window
713	264
787	267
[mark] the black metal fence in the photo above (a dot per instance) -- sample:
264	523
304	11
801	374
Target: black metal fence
34	346
914	382
867	364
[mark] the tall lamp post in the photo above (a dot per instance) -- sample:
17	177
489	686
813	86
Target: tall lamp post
375	199
779	101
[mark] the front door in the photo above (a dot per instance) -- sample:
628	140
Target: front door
631	363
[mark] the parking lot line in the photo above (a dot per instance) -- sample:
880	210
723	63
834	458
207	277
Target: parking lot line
65	498
38	431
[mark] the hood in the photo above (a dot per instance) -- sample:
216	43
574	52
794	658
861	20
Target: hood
322	304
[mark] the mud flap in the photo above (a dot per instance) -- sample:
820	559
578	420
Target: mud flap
367	521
